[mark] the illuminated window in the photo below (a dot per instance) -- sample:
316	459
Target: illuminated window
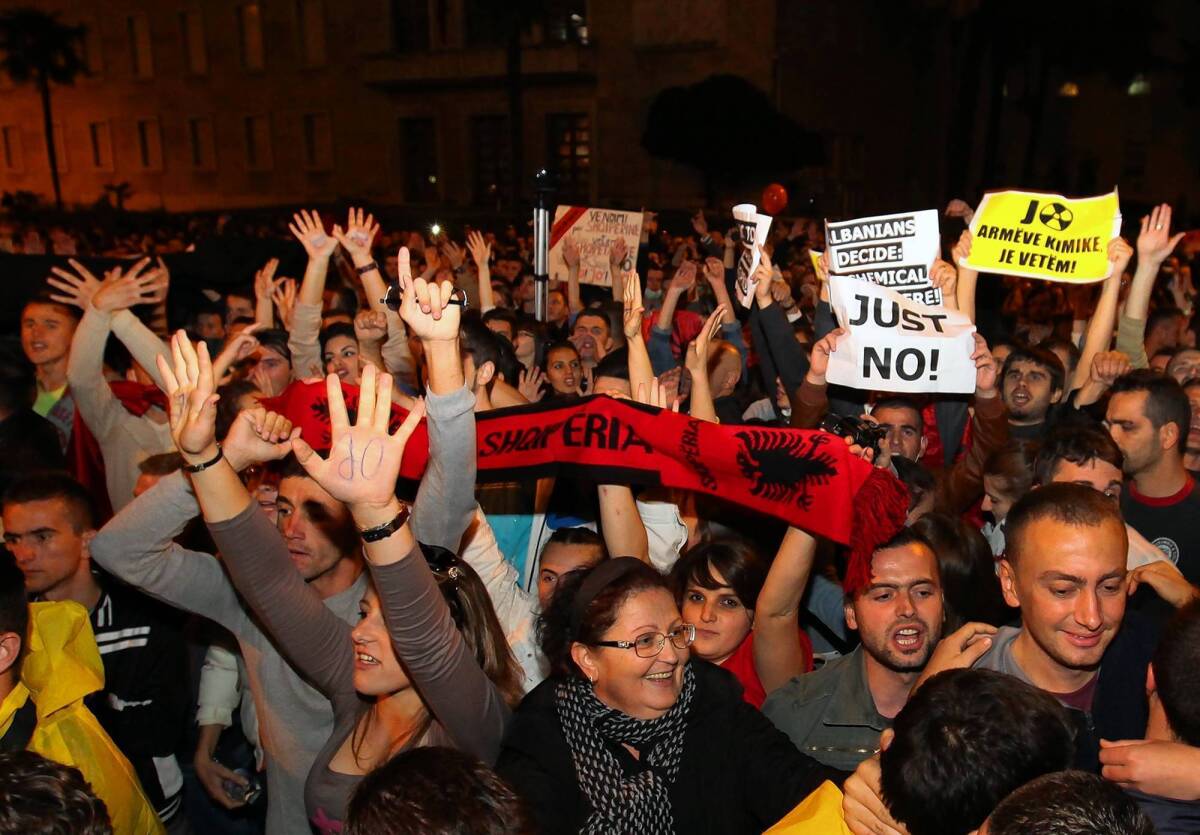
258	143
203	146
251	34
311	16
139	46
318	142
1068	90
195	53
149	135
568	153
101	138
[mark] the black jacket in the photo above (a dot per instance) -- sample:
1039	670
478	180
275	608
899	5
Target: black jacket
738	773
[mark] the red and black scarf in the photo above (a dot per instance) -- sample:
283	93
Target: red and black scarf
808	479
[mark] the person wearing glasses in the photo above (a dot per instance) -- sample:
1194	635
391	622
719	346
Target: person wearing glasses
631	733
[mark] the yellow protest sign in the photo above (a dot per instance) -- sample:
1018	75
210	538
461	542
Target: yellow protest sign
1047	236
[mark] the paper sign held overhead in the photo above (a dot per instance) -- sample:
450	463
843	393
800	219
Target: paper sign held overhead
895	344
1047	236
895	251
594	231
752	234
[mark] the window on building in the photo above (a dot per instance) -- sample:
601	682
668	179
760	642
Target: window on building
142	58
568	153
318	142
93	54
418	150
195	53
101	138
60	148
491	158
311	16
203	144
251	36
149	136
258	143
14	159
410	25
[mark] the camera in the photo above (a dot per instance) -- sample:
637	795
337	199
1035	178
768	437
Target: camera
863	433
243	794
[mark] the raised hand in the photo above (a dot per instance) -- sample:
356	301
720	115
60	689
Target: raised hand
264	279
764	273
714	271
235	350
358	235
962	249
633	308
454	254
570	252
699	223
959	208
257	436
1155	242
370	326
310	232
818	364
425	305
944	276
696	358
684	278
120	291
617	253
75	288
530	384
1120	253
656	394
191	399
480	249
1107	366
284	297
364	459
986	371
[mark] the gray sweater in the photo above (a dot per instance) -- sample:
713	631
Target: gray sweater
469	712
295	719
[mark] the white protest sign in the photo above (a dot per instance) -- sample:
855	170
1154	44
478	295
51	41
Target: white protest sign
895	251
752	233
594	231
895	344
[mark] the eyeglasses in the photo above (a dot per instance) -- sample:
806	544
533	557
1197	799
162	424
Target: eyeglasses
650	644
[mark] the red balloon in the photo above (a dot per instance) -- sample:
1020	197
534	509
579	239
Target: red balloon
774	199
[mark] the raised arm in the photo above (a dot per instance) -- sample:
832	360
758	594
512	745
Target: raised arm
357	240
778	652
968	277
1154	244
622	527
314	639
701	405
641	370
1100	326
481	253
265	286
306	313
571	258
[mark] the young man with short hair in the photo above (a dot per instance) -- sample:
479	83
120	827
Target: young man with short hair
835	714
1069	803
1149	417
1032	383
48	520
47	328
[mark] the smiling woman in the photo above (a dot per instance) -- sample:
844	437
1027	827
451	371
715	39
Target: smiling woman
630	732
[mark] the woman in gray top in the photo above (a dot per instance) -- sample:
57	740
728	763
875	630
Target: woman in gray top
423	684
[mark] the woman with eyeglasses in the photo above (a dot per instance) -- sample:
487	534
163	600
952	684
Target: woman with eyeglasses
632	734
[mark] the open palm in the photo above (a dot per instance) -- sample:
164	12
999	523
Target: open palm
364	459
191	397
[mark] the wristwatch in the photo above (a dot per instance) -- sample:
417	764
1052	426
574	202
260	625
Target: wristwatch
387	528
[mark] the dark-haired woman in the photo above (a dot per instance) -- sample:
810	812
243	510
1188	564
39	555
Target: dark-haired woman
631	734
970	587
428	663
746	616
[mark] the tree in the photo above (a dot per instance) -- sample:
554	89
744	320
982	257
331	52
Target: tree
36	47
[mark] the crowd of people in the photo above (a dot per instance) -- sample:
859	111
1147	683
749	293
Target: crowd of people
263	573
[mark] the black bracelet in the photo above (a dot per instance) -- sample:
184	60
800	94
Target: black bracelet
366	268
198	468
387	528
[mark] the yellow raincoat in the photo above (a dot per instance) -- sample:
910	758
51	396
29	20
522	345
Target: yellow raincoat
61	666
